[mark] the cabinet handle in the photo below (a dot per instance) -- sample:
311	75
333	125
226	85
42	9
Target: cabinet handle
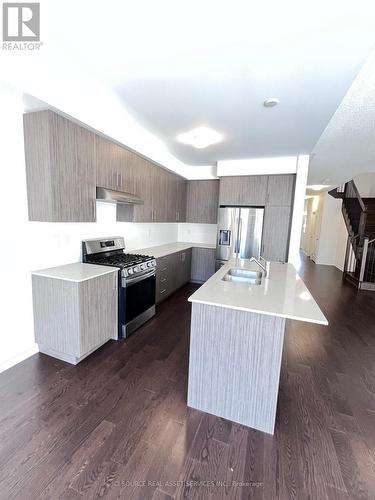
163	280
164	268
163	291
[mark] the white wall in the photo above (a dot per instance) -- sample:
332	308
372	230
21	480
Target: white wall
326	233
366	185
298	209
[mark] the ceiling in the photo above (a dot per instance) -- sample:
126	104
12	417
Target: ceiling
175	66
347	146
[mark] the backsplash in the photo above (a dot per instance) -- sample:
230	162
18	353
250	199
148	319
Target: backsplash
197	233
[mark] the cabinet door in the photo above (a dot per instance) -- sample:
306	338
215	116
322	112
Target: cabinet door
143	186
98	303
172	197
127	171
202	264
162	274
186	266
60	169
280	190
243	190
159	194
181	199
276	231
108	161
202	201
74	187
174	271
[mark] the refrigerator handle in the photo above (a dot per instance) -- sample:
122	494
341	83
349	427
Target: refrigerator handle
238	242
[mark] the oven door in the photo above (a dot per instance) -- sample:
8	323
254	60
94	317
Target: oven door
139	300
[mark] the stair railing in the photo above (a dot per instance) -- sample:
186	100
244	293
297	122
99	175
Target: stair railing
352	199
350	263
367	270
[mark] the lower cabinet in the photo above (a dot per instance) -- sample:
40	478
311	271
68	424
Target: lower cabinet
172	272
202	264
72	319
178	268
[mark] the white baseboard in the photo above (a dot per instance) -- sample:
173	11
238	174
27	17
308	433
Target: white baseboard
14	360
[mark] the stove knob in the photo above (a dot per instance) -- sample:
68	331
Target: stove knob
136	269
130	271
149	264
143	267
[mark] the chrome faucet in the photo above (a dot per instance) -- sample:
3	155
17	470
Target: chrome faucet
266	267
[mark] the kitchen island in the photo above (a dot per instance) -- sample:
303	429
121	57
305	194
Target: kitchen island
236	342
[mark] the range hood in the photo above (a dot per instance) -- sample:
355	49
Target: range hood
112	196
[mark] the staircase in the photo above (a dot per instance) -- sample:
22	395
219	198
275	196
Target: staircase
359	216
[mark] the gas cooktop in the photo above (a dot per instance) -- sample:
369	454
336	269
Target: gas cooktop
120	260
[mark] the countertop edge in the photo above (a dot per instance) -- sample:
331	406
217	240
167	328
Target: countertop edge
257	311
72	280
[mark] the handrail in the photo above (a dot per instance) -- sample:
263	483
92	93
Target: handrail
358	196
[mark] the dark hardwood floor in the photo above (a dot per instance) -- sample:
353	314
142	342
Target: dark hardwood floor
117	425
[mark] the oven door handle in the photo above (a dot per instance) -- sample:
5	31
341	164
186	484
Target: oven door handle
131	281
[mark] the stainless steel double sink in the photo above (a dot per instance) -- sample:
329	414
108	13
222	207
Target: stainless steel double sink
243	276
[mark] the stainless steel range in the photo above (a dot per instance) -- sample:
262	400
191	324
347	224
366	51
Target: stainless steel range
136	280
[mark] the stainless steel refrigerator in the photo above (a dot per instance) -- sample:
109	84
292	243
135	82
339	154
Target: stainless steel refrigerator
239	233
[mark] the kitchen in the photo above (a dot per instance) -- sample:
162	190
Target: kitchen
103	171
164	336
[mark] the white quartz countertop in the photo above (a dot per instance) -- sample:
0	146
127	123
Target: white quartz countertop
283	294
162	250
76	272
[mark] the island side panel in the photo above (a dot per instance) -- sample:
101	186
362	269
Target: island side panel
234	364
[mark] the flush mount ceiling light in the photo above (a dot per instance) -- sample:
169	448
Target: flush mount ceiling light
317	187
271	102
200	137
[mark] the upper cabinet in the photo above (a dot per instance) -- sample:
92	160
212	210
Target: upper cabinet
65	162
257	190
108	158
163	193
202	201
182	185
280	190
243	190
60	169
143	186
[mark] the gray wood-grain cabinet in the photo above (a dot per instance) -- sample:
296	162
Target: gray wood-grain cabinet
278	217
243	190
202	264
276	232
60	168
72	319
172	272
280	190
108	163
181	199
65	162
202	201
234	365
